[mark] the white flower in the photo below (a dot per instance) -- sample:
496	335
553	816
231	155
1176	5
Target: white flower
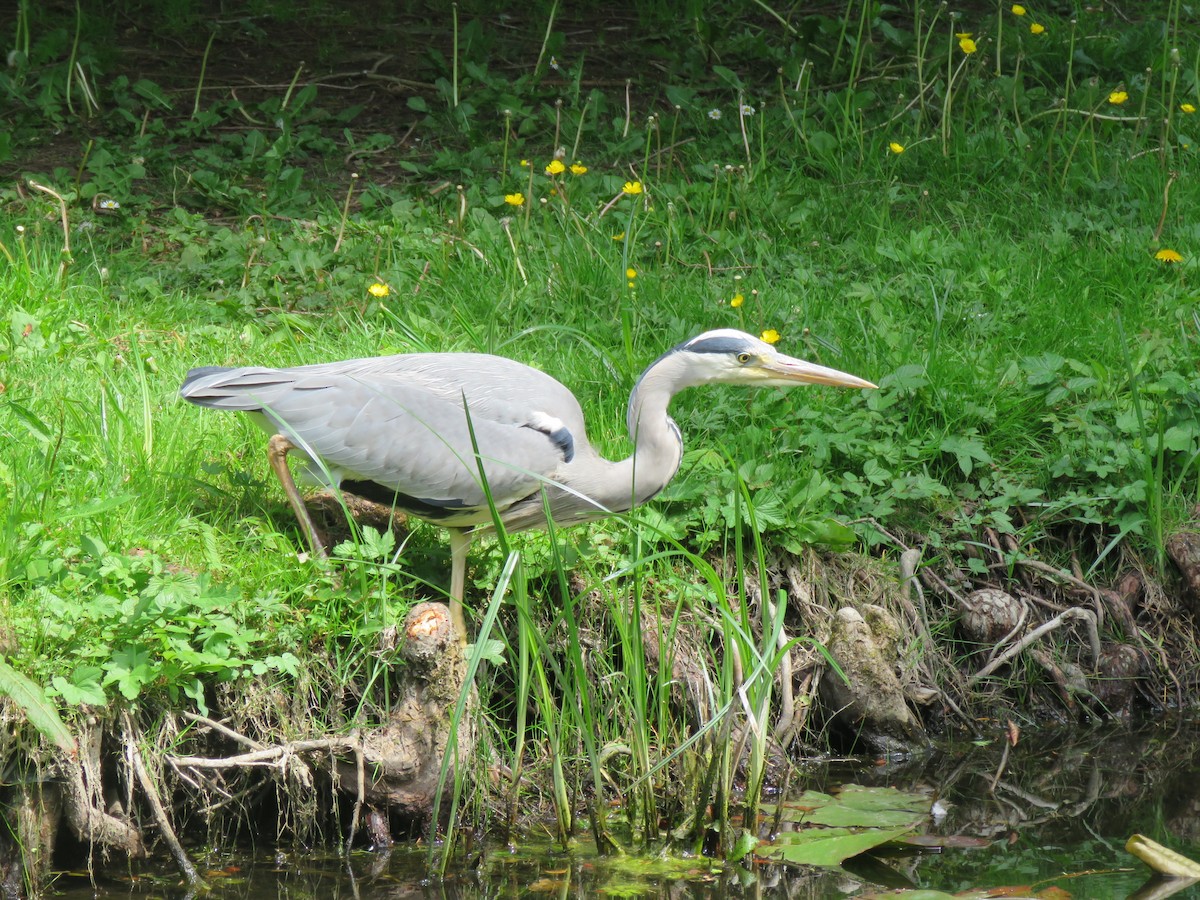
747	109
714	114
109	204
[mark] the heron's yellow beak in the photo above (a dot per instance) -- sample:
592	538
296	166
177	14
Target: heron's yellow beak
784	370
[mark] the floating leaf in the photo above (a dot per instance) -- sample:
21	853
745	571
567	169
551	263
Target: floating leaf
826	846
835	827
868	807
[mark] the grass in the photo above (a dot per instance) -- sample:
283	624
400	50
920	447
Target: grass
997	278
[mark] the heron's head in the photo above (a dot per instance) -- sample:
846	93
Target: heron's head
729	356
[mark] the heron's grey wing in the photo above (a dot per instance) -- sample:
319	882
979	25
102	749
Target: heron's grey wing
393	429
498	388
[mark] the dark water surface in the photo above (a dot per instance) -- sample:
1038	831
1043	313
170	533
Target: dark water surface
1062	807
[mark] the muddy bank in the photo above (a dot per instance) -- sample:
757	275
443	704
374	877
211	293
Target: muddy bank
1078	792
893	652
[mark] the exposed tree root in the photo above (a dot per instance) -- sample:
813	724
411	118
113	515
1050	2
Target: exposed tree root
84	802
1084	615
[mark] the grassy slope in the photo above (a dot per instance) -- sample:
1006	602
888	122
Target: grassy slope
1002	294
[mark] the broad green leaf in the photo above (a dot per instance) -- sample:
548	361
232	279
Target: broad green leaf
833	828
493	652
728	76
79	693
32	700
826	846
967	450
746	842
856	805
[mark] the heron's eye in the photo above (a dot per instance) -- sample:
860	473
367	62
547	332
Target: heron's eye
743	357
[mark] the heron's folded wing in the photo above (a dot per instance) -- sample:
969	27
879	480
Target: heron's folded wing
385	429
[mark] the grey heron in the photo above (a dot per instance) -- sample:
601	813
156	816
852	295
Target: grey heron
398	430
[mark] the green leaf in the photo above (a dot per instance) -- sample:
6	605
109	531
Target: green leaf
746	842
967	450
93	546
80	692
41	432
493	652
728	76
826	846
287	662
1043	369
32	700
833	828
195	690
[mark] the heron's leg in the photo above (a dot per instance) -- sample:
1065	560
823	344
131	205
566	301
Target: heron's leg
460	542
277	450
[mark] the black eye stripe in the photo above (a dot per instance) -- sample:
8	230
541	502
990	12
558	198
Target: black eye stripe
716	345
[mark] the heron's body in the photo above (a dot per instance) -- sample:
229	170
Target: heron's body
398	430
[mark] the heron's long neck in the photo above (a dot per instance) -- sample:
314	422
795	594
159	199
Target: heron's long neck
658	445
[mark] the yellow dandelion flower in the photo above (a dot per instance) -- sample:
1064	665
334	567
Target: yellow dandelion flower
1035	28
1018	9
556	167
737	301
379	289
1187	108
525	163
896	147
619	237
967	45
1167	255
1116	98
577	169
632	187
631	274
771	336
517	199
631	285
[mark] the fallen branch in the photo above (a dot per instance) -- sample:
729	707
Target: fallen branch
276	756
1045	569
165	830
223	729
1086	615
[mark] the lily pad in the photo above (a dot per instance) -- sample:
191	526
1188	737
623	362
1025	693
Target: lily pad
826	846
830	828
855	805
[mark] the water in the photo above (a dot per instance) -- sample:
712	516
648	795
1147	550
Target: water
1056	811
